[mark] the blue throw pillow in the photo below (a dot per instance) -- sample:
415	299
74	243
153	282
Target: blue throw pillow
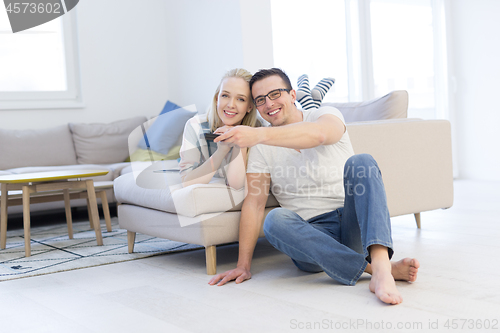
166	130
169	106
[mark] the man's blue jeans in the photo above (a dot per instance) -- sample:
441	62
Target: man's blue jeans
337	242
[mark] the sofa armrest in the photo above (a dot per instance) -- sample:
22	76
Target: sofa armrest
415	159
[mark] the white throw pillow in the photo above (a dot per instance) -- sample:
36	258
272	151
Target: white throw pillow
391	106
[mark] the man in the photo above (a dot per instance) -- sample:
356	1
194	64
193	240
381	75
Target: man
333	214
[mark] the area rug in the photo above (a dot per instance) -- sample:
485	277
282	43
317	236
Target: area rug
52	251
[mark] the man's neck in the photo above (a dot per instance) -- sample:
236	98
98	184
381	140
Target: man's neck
297	117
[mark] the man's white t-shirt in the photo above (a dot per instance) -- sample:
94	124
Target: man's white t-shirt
309	183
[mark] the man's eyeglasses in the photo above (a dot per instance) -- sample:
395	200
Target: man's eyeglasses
273	94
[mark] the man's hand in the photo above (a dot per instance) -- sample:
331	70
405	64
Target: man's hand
223	129
239	274
242	136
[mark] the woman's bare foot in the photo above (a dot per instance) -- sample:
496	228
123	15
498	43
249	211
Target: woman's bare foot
405	269
383	284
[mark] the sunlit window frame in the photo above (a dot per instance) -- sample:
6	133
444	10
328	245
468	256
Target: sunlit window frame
360	57
72	97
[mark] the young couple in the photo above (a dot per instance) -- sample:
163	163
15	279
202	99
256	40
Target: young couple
333	215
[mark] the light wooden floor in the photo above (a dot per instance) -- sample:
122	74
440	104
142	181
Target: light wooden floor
458	249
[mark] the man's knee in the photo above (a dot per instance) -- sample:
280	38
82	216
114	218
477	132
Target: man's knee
361	166
361	160
276	219
307	267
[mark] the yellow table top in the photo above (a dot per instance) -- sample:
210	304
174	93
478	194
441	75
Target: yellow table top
48	176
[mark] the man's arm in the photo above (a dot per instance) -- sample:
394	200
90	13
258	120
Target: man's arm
252	214
327	129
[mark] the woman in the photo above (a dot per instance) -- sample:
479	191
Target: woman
202	160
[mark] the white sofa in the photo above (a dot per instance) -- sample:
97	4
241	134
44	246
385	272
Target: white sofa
414	157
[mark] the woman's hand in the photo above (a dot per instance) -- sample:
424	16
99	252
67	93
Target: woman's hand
222	146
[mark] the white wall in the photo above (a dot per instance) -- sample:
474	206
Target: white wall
123	53
135	57
476	54
257	34
207	38
204	41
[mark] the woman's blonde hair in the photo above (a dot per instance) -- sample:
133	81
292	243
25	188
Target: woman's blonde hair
250	118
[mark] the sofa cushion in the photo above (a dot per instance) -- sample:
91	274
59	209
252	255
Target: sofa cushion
391	106
36	147
103	143
116	168
143	155
137	166
166	129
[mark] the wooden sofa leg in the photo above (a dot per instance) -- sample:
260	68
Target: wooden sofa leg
131	241
417	219
211	258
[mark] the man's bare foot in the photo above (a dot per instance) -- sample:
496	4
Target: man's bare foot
405	269
383	284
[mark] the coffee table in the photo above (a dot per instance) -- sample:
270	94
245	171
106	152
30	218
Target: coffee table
44	187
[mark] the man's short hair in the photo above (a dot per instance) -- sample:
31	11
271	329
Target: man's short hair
263	73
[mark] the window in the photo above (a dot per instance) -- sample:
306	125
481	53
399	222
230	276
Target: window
386	45
39	66
310	37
